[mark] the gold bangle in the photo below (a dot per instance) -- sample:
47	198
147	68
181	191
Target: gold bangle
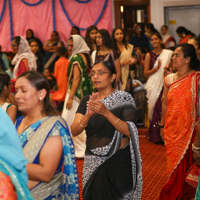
196	148
195	151
116	121
81	124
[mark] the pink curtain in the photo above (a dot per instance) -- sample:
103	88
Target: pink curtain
39	18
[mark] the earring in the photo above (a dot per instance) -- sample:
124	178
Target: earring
186	62
40	98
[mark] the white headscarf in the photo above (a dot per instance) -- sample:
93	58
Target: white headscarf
24	51
79	45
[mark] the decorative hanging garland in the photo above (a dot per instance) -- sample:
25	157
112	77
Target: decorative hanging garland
3	9
82	1
32	4
53	11
11	25
104	7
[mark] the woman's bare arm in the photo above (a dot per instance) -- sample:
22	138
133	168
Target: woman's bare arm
164	110
12	112
118	70
147	71
50	157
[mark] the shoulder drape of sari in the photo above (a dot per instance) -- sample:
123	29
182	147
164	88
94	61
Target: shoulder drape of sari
85	86
154	84
99	155
125	54
51	57
184	40
181	118
64	185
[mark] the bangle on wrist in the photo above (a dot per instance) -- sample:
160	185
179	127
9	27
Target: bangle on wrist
81	124
71	98
116	121
161	126
195	148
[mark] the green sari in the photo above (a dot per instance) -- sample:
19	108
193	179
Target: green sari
85	86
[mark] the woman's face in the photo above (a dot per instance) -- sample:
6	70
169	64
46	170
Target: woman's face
34	47
54	36
155	41
74	31
70	46
163	30
178	59
193	42
118	35
93	34
99	40
14	46
29	34
101	77
147	29
47	72
180	35
27	97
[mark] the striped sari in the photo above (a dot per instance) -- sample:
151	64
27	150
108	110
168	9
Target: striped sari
179	132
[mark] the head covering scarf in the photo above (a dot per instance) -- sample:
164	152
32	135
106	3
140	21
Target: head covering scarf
24	52
79	45
10	148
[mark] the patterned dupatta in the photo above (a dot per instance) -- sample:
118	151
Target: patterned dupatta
64	185
181	117
99	155
85	86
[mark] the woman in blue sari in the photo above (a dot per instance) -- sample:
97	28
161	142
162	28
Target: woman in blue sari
46	142
13	176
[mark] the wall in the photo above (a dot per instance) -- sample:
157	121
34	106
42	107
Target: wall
157	9
187	16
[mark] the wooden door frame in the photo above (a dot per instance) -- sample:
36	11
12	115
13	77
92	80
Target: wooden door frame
118	3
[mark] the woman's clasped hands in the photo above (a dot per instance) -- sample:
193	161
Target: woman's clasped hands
96	106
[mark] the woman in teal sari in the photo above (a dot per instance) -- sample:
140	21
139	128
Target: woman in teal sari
46	142
13	176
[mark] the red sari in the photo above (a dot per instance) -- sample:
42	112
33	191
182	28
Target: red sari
179	133
7	189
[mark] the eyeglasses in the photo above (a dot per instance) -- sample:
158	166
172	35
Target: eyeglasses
99	73
139	29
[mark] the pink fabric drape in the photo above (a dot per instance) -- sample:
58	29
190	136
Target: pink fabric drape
40	18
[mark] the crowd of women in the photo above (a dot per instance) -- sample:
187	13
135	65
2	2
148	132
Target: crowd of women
83	102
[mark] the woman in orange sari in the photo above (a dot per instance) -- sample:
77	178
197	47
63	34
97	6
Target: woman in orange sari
179	118
183	34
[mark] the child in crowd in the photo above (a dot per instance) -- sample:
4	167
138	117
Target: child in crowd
10	70
5	88
60	73
53	85
47	72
